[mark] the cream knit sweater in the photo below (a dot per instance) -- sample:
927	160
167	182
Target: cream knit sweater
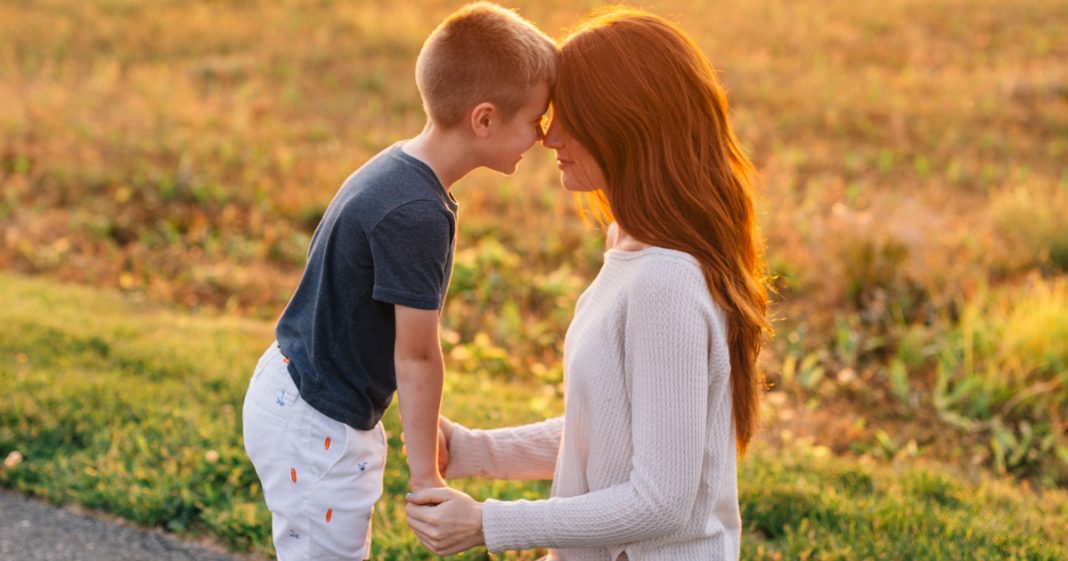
643	460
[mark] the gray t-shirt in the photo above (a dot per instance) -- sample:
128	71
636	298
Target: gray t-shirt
387	238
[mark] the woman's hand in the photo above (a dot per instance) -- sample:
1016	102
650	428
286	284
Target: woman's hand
444	438
447	521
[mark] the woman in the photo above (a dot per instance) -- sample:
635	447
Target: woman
662	385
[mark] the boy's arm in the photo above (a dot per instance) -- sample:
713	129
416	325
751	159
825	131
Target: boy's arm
420	376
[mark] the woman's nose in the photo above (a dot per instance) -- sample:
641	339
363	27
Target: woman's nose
553	137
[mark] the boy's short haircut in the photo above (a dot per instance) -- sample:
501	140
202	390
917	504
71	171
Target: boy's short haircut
482	53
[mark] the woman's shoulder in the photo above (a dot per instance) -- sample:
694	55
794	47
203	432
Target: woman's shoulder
669	285
662	273
653	263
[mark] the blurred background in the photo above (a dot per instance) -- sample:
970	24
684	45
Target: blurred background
163	165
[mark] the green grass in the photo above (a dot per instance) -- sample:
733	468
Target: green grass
135	409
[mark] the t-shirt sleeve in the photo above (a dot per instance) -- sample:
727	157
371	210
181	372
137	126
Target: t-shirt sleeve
410	248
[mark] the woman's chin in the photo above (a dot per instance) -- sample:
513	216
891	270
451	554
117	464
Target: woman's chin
571	186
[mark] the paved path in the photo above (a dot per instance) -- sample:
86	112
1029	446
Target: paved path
31	530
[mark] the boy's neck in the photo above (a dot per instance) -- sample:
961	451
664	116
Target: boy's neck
443	152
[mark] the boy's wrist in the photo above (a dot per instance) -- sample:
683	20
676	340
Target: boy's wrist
423	468
426	481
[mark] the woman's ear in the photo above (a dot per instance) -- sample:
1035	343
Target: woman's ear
482	119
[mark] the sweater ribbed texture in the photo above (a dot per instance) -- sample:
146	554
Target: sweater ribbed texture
643	460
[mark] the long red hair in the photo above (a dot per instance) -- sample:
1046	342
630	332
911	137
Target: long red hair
637	92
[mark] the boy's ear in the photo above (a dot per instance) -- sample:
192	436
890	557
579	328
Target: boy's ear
482	118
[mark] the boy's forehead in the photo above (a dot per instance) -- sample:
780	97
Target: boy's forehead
538	98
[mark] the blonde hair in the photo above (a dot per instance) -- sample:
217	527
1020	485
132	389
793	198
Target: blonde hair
482	53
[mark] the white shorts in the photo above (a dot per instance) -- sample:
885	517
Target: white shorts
321	478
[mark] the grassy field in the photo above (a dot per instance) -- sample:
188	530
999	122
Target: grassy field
912	156
180	153
135	409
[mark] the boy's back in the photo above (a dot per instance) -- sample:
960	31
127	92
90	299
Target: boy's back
387	238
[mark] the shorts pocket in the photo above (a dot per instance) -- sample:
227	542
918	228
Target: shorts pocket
342	502
323	442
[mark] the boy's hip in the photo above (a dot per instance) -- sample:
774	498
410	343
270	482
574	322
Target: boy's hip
279	423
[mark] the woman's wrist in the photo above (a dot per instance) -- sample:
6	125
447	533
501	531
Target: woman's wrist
481	511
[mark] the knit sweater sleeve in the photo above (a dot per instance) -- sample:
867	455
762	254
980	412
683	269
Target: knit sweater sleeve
666	356
523	452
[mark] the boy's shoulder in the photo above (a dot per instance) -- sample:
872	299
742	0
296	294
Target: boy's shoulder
387	181
390	166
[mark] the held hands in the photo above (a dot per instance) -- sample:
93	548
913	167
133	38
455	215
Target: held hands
447	521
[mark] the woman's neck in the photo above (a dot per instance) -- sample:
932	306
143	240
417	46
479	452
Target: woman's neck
620	240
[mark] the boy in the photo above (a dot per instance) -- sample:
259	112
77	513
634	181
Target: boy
363	321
